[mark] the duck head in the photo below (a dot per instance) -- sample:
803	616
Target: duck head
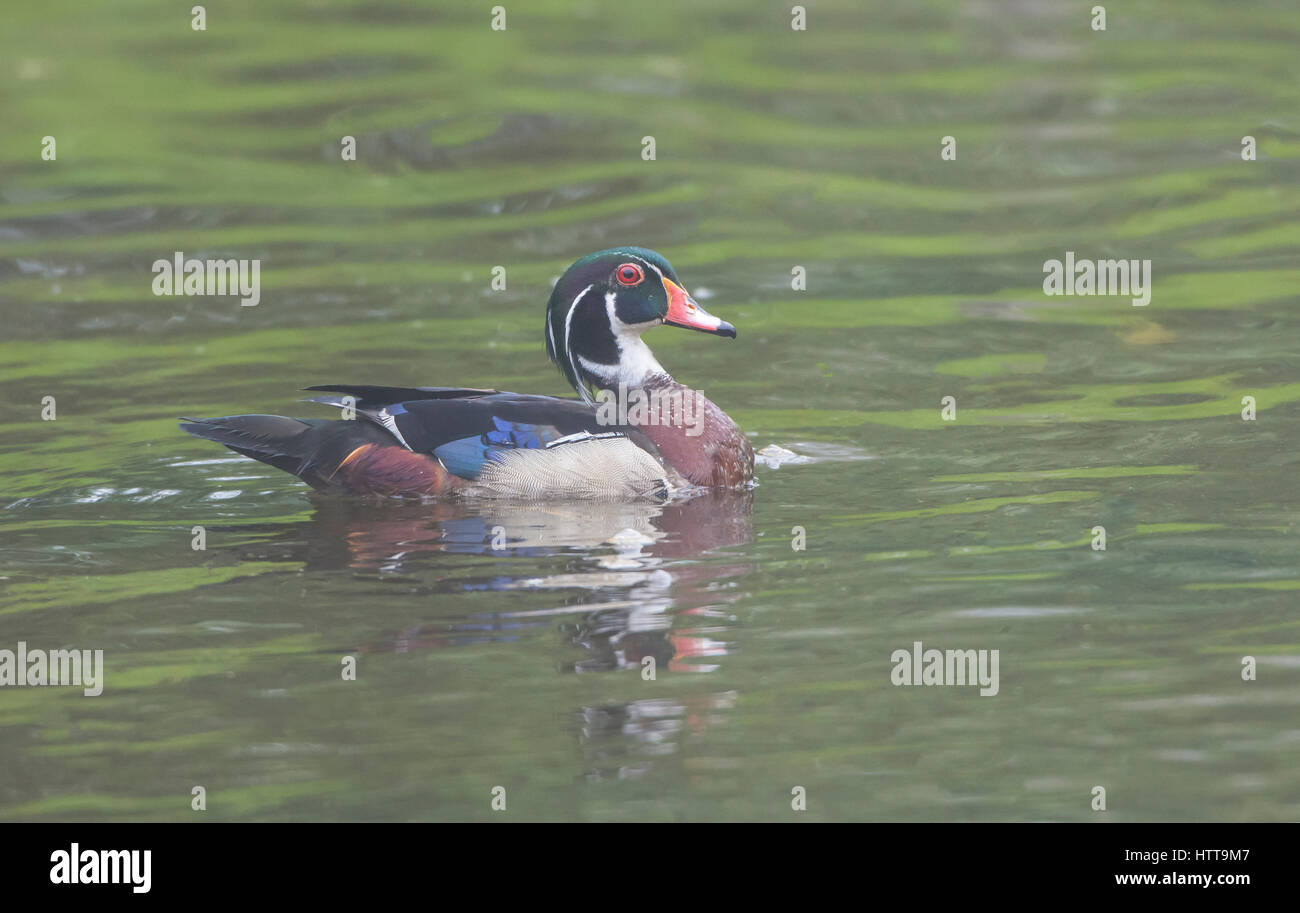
601	306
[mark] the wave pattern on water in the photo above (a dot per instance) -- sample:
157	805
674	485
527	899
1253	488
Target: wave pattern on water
776	149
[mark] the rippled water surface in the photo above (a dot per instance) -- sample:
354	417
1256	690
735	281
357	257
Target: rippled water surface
522	667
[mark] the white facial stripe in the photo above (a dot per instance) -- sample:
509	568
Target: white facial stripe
635	360
605	372
653	267
568	326
616	324
550	333
568	318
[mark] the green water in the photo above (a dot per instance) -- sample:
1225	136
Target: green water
521	667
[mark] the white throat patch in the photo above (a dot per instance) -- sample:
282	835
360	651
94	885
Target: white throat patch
636	362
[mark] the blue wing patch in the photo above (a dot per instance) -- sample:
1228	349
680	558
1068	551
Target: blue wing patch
466	456
519	434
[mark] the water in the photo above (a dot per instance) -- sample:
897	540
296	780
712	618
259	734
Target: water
522	667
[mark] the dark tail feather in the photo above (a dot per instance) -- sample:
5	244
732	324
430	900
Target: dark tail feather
272	439
311	449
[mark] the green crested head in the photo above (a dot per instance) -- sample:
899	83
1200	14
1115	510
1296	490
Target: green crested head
603	303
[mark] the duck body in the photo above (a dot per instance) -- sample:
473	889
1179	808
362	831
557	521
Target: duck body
633	433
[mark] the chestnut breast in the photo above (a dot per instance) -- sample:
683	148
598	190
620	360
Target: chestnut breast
695	437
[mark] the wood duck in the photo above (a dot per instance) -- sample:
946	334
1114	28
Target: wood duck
633	433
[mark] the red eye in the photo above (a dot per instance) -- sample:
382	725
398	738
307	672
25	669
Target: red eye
630	274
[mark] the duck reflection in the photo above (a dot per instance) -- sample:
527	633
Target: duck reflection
624	741
628	571
624	584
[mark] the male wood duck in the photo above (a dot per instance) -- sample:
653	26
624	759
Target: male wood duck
633	433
